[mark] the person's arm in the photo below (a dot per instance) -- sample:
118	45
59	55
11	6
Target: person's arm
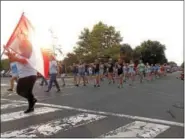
13	57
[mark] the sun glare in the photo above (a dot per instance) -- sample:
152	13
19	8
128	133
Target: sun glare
43	39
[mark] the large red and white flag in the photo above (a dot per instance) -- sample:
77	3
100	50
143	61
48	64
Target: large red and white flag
23	42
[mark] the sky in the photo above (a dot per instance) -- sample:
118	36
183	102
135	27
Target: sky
137	21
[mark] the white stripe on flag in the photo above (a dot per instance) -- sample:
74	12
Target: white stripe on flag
12	105
53	127
18	115
137	129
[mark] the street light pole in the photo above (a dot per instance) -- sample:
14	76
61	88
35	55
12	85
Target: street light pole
54	38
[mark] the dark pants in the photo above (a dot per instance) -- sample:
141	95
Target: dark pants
25	87
53	79
44	81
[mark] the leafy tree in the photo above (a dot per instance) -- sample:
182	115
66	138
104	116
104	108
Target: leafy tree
137	53
126	52
151	51
4	64
172	63
98	42
70	59
83	45
112	52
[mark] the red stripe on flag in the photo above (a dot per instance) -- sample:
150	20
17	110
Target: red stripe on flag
13	36
23	29
46	63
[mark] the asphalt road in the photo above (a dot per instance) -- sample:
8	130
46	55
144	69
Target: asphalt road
150	109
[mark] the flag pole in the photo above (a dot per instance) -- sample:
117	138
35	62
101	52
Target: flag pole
2	53
12	33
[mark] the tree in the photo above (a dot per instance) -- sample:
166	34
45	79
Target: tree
137	53
98	42
151	52
70	59
4	64
172	63
126	52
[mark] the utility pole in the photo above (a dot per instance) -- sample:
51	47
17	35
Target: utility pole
54	40
55	44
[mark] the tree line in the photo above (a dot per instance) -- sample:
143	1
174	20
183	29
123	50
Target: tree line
104	41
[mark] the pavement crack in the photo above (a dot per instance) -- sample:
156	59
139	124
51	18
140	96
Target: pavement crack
178	105
171	114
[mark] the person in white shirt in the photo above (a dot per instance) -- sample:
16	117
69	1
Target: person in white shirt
26	81
53	70
43	81
62	72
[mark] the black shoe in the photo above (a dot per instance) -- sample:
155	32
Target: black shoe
84	84
10	90
77	85
29	110
41	84
94	85
98	85
46	91
32	103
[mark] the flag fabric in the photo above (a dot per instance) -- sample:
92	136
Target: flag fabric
22	41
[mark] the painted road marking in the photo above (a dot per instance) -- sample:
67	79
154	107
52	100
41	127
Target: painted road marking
109	114
54	126
3	84
12	105
6	84
20	114
137	129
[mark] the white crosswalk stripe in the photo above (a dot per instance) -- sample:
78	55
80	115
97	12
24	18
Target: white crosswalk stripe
11	105
56	125
20	114
137	129
52	127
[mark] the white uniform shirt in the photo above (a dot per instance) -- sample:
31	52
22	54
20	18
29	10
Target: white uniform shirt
25	70
53	67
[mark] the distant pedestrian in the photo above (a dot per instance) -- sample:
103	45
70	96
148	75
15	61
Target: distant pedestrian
120	73
131	72
53	70
110	66
75	73
81	73
141	68
62	70
97	73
